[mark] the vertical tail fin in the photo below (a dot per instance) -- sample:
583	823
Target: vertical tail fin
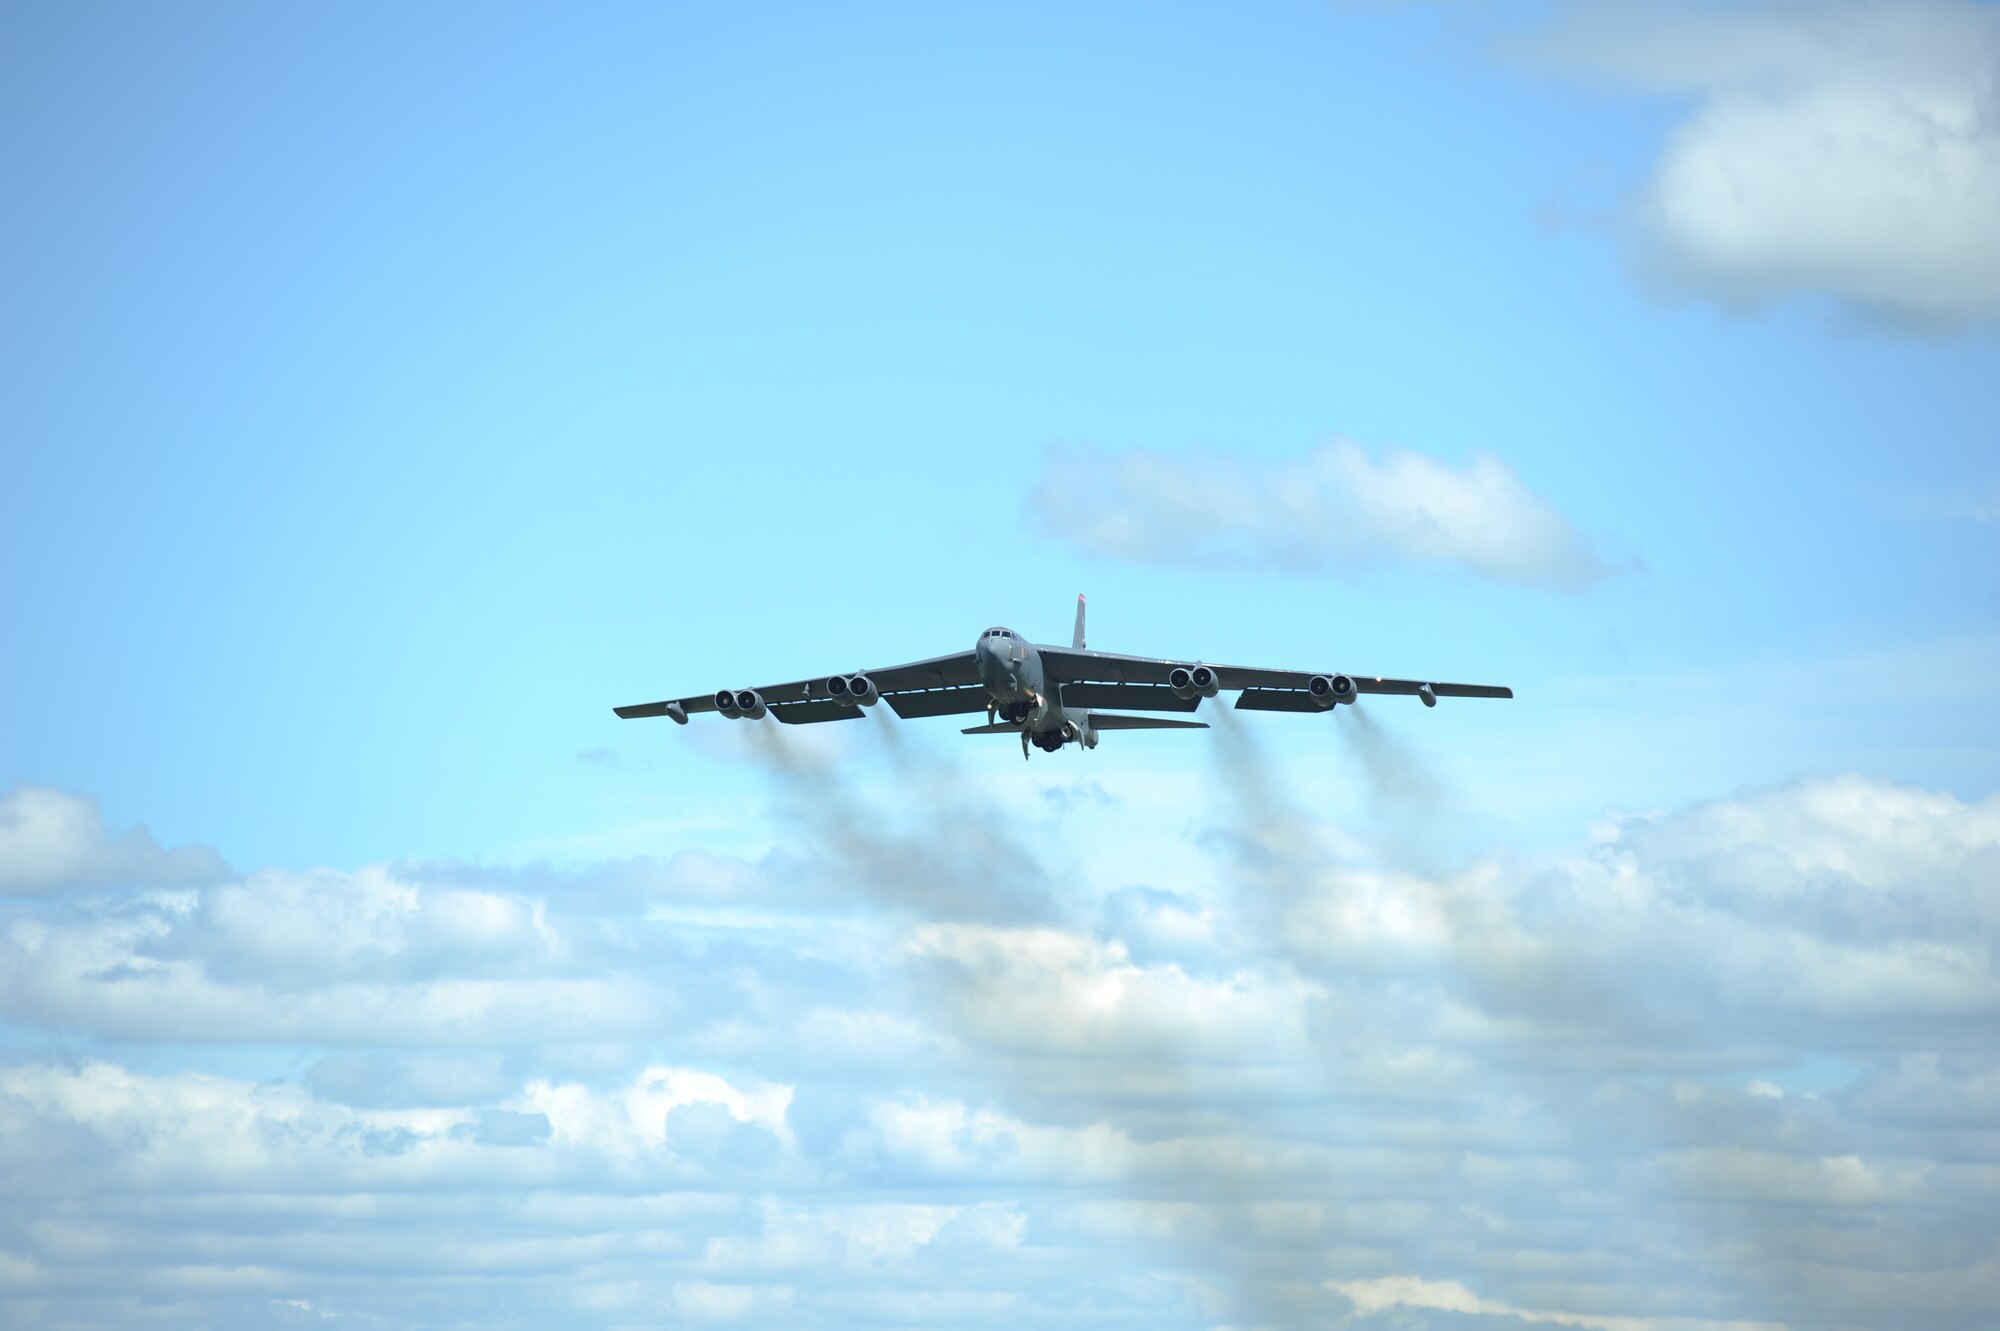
1076	640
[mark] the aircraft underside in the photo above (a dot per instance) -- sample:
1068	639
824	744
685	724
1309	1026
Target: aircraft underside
1051	695
1045	727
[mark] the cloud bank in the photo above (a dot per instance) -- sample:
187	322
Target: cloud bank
1336	507
1847	149
1725	1066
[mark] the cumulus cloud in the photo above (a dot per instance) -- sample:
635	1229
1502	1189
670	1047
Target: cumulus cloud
1334	507
1720	1066
1847	149
52	841
1063	991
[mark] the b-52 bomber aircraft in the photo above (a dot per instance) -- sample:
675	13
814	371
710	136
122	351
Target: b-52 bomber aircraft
1050	696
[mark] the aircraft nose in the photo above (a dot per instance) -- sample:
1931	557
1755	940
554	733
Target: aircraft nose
991	654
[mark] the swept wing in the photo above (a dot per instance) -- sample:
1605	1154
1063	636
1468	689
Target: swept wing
1262	689
940	686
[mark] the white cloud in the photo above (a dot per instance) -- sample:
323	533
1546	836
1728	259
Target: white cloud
20	1272
702	1301
131	977
1334	507
1057	990
1847	149
1573	1090
634	1119
864	1237
51	841
1401	1291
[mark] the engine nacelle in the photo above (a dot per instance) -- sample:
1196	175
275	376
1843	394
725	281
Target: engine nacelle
1195	681
853	690
725	702
750	705
1330	690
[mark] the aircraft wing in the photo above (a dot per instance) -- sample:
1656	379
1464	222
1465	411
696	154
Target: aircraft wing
940	686
1263	689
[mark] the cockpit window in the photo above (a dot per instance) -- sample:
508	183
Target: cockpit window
1005	634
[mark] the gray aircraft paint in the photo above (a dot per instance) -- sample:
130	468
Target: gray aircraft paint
1011	669
1020	686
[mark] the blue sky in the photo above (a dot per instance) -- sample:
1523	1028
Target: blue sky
386	394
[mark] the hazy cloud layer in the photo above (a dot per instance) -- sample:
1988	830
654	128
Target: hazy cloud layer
1724	1066
1334	507
1847	149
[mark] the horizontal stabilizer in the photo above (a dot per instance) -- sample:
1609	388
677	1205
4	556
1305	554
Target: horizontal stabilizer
1116	721
999	728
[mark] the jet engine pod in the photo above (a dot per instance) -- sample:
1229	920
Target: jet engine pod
861	690
1328	690
750	705
725	702
1204	680
837	686
1181	680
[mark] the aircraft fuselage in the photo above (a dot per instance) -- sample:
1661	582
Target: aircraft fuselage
1011	669
1020	685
